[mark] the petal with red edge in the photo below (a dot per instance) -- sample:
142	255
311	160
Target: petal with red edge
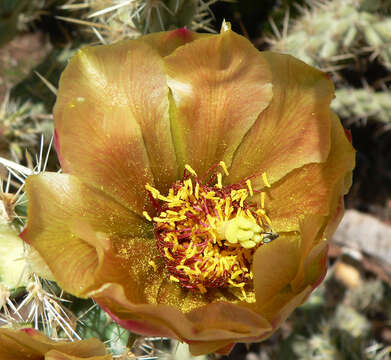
112	121
219	85
228	322
294	130
71	225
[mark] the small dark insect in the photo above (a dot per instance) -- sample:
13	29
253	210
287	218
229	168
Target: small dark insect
269	237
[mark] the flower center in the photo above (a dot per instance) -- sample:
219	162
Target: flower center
207	234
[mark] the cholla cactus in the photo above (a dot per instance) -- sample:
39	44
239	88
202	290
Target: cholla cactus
20	123
15	15
349	320
9	12
356	104
113	20
333	35
330	33
319	346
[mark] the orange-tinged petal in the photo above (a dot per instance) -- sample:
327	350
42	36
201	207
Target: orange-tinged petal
279	307
30	344
216	322
275	265
219	84
208	347
312	242
311	189
112	121
294	130
57	355
166	42
71	225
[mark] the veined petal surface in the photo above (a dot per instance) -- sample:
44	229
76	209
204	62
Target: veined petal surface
73	225
311	189
219	86
294	130
112	121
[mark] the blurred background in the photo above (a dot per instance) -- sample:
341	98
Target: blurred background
349	315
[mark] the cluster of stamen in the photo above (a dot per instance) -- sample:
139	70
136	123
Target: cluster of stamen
207	234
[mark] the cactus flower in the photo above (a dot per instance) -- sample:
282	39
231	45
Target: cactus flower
202	180
31	344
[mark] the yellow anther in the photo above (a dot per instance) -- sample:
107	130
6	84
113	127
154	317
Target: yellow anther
219	184
189	185
250	189
190	170
175	203
152	263
168	255
196	191
197	269
265	180
244	294
219	212
263	200
176	245
191	250
236	274
244	197
163	198
146	215
250	215
269	222
192	253
227	208
236	284
154	192
224	167
173	278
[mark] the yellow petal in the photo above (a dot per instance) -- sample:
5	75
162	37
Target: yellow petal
112	121
30	344
207	347
312	188
71	225
219	84
275	265
294	130
279	307
312	244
